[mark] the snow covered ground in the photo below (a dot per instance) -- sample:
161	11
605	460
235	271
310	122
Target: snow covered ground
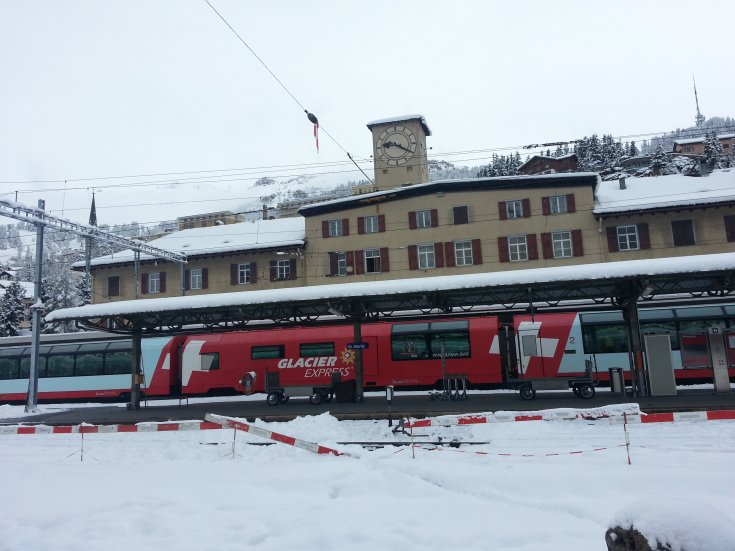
195	490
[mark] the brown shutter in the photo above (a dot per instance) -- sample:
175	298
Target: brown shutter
360	225
612	239
360	262
233	274
532	246
345	226
547	249
643	236
205	278
333	264
144	283
571	205
439	255
163	282
325	228
413	259
449	254
292	270
412	220
350	262
502	211
730	227
526	208
384	260
545	207
253	272
187	280
477	252
434	218
577	246
381	223
503	255
273	270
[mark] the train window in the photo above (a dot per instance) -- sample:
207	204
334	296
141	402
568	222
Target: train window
268	352
93	347
316	349
463	325
118	363
25	366
602	317
662	314
122	345
9	364
60	365
528	345
693	326
210	361
456	345
409	347
90	364
410	328
702	312
64	349
602	339
662	328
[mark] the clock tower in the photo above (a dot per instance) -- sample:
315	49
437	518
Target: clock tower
399	151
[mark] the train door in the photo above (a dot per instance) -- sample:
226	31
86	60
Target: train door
549	345
730	347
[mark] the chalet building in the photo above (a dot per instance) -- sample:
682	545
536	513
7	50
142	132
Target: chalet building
695	146
541	164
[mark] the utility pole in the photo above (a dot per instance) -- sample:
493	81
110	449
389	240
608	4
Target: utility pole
36	311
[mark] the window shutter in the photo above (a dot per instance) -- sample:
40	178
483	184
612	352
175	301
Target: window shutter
612	239
381	223
253	272
730	227
332	264
273	270
434	218
360	262
350	263
345	226
643	236
384	260
360	225
547	249
233	274
144	283
502	210
325	228
187	280
526	208
205	278
449	254
577	246
545	207
412	220
532	246
477	251
413	259
439	255
163	282
503	254
292	270
571	205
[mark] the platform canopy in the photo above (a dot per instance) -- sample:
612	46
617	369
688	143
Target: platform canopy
614	283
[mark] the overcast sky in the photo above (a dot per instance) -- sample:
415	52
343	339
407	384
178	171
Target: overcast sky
94	89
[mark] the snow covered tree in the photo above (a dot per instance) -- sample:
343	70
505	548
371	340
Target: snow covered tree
632	150
660	163
713	153
11	310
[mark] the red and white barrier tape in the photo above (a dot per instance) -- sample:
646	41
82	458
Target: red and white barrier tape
270	435
549	454
102	429
678	417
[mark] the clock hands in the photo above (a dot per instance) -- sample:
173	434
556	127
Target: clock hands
395	144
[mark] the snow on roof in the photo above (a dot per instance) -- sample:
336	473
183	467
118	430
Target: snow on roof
664	191
627	268
701	139
402	118
244	236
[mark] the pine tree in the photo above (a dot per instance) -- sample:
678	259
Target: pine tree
632	150
11	310
713	151
660	163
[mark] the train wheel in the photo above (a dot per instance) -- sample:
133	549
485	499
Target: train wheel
527	392
273	398
316	398
575	389
586	391
328	397
283	399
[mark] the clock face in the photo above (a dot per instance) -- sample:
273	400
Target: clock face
396	145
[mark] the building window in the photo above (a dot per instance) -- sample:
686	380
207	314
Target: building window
517	248
196	278
426	257
335	228
558	204
461	214
514	209
243	274
683	231
371	224
423	218
113	286
628	238
372	261
154	282
283	269
463	253
341	263
561	242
